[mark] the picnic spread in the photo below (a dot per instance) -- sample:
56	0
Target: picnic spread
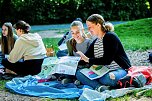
39	86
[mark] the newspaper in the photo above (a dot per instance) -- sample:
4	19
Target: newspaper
96	71
63	65
67	65
47	66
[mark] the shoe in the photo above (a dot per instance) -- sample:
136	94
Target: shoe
1	76
8	76
124	82
60	78
66	80
102	88
2	70
1	73
51	77
139	81
77	82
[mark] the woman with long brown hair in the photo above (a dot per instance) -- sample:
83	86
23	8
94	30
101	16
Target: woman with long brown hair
78	42
7	38
105	50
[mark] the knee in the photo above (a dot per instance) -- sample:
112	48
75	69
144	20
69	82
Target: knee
78	74
116	75
111	78
61	53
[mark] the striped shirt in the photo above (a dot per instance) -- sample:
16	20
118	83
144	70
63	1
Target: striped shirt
98	52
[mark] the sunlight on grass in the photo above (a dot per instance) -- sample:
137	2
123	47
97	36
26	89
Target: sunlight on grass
2	84
48	42
136	35
136	43
124	98
148	93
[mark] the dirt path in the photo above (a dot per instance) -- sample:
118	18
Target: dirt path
50	34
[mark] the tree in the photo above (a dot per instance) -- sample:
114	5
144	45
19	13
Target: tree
150	3
6	10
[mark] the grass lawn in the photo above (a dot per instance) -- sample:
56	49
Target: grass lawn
135	35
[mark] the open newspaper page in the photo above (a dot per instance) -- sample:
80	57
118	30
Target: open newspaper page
96	71
63	65
67	65
47	66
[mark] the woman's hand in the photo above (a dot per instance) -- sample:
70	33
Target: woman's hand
83	57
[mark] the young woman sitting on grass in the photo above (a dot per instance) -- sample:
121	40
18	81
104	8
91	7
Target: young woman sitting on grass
107	50
78	42
28	47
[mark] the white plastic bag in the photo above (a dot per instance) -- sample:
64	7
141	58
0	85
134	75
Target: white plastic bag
92	95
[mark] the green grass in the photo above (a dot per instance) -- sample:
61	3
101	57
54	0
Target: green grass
134	35
2	84
127	97
51	42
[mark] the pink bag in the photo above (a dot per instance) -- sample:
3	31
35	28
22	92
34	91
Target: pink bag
137	76
145	70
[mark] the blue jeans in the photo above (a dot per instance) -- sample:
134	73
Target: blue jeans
61	53
105	80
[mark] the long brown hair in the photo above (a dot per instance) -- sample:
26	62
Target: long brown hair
105	26
10	38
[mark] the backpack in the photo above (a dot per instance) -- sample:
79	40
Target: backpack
137	76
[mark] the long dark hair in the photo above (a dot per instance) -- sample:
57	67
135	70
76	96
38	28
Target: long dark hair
10	38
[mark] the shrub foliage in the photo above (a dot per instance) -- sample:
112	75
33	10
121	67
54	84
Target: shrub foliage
64	11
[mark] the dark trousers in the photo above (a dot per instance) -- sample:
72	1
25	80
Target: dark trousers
28	67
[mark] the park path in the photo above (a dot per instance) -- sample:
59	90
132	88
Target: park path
50	34
57	30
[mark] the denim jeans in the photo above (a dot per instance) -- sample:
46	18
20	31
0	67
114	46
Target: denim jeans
105	80
61	53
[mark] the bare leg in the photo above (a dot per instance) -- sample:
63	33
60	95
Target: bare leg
9	71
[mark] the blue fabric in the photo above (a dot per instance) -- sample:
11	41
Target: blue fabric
29	86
